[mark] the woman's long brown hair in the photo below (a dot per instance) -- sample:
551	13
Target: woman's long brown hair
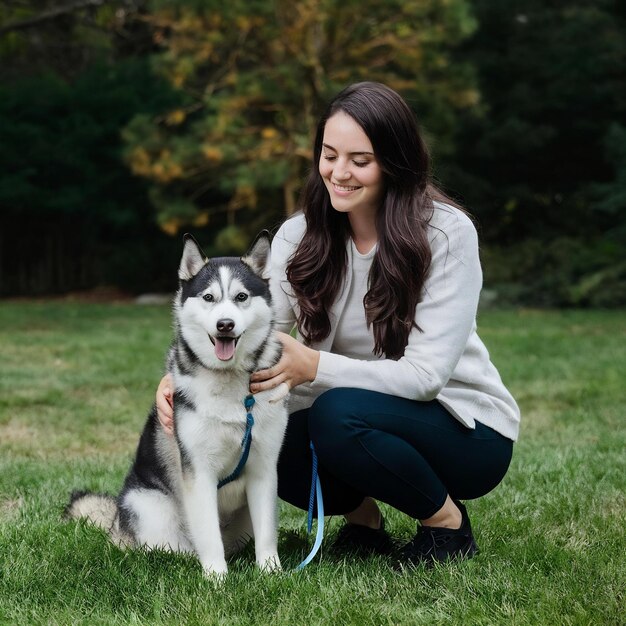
316	272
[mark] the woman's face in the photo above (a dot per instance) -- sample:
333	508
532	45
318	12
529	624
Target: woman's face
349	168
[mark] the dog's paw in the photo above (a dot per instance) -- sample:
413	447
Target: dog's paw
279	393
271	564
215	571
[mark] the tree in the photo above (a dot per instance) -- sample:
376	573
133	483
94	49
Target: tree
72	215
66	37
255	74
552	78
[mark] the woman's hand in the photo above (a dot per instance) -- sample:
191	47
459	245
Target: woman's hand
297	365
165	403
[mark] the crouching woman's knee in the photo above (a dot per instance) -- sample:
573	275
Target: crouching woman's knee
333	421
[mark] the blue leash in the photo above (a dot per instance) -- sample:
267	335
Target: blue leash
316	491
316	487
245	443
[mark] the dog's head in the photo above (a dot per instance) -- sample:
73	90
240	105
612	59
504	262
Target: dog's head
224	309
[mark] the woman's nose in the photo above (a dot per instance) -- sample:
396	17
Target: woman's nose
342	172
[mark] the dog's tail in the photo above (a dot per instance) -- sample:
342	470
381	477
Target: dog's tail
101	510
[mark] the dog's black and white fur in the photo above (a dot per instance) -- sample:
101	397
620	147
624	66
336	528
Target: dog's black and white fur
223	333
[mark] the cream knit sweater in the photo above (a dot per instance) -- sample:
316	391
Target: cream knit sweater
447	361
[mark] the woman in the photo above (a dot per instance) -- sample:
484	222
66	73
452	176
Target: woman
381	276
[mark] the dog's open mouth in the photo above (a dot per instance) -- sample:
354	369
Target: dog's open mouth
224	346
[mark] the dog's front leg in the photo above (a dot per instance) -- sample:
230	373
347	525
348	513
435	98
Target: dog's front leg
204	524
261	493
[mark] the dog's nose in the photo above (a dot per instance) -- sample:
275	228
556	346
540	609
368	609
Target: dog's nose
225	325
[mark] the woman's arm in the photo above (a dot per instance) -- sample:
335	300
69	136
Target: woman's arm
165	403
297	365
282	248
446	316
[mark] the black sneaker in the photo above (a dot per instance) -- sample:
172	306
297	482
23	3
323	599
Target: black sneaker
432	544
361	540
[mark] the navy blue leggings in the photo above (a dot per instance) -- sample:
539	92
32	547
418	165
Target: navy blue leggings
408	454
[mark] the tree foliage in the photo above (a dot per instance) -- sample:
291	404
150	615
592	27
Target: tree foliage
65	194
60	36
255	75
522	104
541	166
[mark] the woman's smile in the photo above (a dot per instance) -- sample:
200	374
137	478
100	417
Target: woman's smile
344	189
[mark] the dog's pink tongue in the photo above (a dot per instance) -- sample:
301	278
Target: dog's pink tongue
224	349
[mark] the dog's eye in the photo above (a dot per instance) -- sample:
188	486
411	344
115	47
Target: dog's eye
241	297
207	297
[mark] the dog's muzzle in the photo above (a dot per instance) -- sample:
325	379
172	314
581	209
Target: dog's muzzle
224	346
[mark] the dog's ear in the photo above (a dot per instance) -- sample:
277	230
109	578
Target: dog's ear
258	253
193	259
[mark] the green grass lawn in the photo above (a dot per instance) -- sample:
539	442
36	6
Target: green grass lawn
76	381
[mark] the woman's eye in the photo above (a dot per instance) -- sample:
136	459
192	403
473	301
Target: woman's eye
207	297
361	163
329	157
241	297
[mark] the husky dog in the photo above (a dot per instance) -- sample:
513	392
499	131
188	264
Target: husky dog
170	498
